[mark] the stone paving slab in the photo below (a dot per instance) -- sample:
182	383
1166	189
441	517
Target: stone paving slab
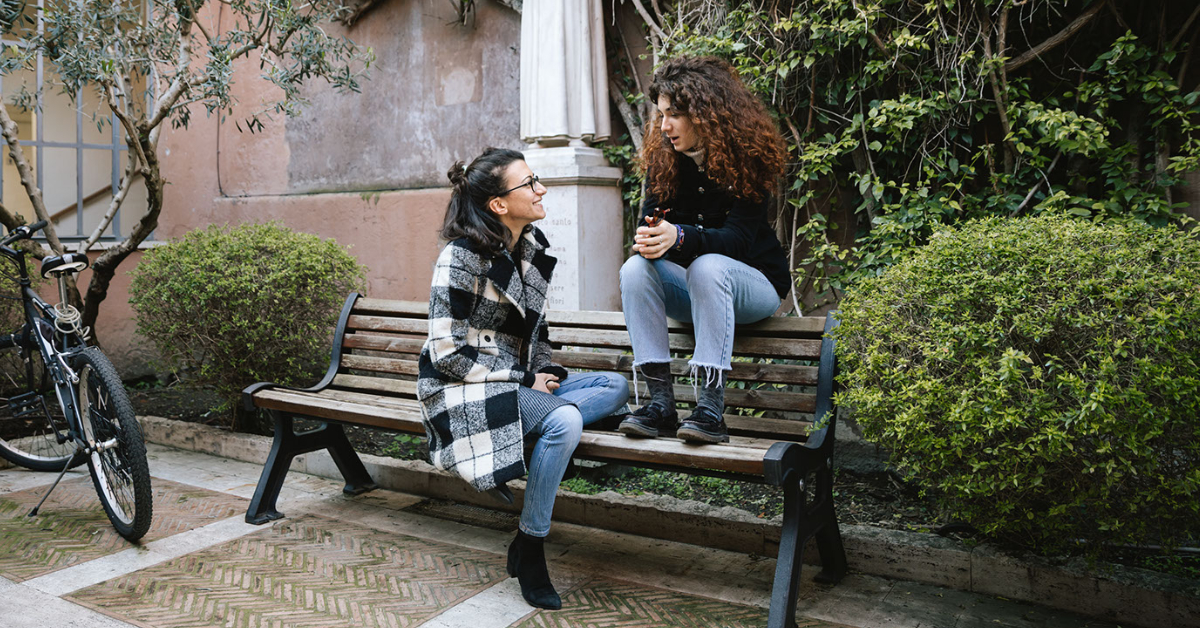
602	602
305	571
71	526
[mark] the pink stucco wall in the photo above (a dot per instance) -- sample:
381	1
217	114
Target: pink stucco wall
367	170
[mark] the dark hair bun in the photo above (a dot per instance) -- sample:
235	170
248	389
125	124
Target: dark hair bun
457	174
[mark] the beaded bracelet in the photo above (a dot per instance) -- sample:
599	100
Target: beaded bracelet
679	240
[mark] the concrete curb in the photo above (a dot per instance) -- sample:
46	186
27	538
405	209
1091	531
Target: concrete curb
1109	592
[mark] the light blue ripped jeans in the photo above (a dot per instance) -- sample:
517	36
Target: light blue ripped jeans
595	395
714	293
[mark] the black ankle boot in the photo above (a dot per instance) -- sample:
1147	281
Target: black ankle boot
527	562
658	415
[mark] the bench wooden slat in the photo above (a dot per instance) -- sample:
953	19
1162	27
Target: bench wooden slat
742	371
351	396
390	344
376	384
745	345
737	458
796	349
321	407
773	326
742	398
734	397
741	455
740	425
622	363
379	365
358	322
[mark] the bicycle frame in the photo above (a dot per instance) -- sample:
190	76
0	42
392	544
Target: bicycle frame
40	325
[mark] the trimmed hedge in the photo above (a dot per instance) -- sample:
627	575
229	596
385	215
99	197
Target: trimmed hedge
234	306
1040	376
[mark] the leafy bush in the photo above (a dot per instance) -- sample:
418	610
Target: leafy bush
12	317
239	305
1041	376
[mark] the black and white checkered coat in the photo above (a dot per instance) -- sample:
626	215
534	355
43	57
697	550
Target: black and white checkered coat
487	337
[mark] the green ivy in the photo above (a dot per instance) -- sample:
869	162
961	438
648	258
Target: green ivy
903	118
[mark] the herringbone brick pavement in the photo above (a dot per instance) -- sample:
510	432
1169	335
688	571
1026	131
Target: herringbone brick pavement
307	571
71	526
601	603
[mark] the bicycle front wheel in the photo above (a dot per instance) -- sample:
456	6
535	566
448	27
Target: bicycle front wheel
32	431
118	464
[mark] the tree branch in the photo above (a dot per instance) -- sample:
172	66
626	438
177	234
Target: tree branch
657	36
1183	30
1032	190
115	204
360	7
998	93
1056	39
627	115
127	123
28	179
165	103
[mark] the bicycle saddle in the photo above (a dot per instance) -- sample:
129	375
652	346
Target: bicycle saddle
69	263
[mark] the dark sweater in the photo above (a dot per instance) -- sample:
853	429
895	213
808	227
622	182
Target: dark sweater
716	221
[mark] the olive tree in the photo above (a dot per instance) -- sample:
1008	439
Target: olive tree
156	62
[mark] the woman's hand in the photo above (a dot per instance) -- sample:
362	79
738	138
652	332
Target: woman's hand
654	242
546	383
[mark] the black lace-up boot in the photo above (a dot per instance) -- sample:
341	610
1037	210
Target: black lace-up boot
659	414
707	425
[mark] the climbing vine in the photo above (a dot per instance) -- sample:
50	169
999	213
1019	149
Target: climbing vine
905	115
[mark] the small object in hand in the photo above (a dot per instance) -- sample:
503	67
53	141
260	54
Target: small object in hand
659	214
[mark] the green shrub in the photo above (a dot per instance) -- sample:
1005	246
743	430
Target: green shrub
1041	376
234	306
12	316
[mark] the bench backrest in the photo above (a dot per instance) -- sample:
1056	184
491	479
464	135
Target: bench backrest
772	391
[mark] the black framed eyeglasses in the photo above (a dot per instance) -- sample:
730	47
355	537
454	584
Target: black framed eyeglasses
534	180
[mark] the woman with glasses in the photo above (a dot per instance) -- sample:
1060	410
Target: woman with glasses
706	253
486	382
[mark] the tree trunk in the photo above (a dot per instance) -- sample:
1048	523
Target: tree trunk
105	266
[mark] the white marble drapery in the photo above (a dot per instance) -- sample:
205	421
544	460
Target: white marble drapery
564	73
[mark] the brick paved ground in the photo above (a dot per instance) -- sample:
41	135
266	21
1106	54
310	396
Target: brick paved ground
388	559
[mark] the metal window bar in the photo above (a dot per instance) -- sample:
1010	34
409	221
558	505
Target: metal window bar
116	145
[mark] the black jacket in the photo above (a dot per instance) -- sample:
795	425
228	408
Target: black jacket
716	221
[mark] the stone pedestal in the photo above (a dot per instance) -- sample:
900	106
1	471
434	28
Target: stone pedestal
583	223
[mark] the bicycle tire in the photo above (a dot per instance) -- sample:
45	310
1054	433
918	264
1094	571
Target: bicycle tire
119	469
32	441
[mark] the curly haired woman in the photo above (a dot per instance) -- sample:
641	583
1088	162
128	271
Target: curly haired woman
711	163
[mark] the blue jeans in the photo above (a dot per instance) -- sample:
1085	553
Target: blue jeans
595	395
714	293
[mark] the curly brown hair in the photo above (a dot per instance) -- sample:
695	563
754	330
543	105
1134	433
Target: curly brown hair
742	145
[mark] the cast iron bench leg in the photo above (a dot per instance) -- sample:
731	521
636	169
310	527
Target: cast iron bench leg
829	536
802	520
791	553
286	446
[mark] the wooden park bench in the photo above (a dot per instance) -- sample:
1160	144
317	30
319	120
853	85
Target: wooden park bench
371	382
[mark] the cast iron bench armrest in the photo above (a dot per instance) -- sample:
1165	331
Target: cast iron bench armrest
335	362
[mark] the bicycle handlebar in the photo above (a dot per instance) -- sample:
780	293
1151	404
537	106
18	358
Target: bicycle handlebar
23	232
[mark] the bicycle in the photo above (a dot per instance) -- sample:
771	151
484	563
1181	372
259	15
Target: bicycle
94	421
